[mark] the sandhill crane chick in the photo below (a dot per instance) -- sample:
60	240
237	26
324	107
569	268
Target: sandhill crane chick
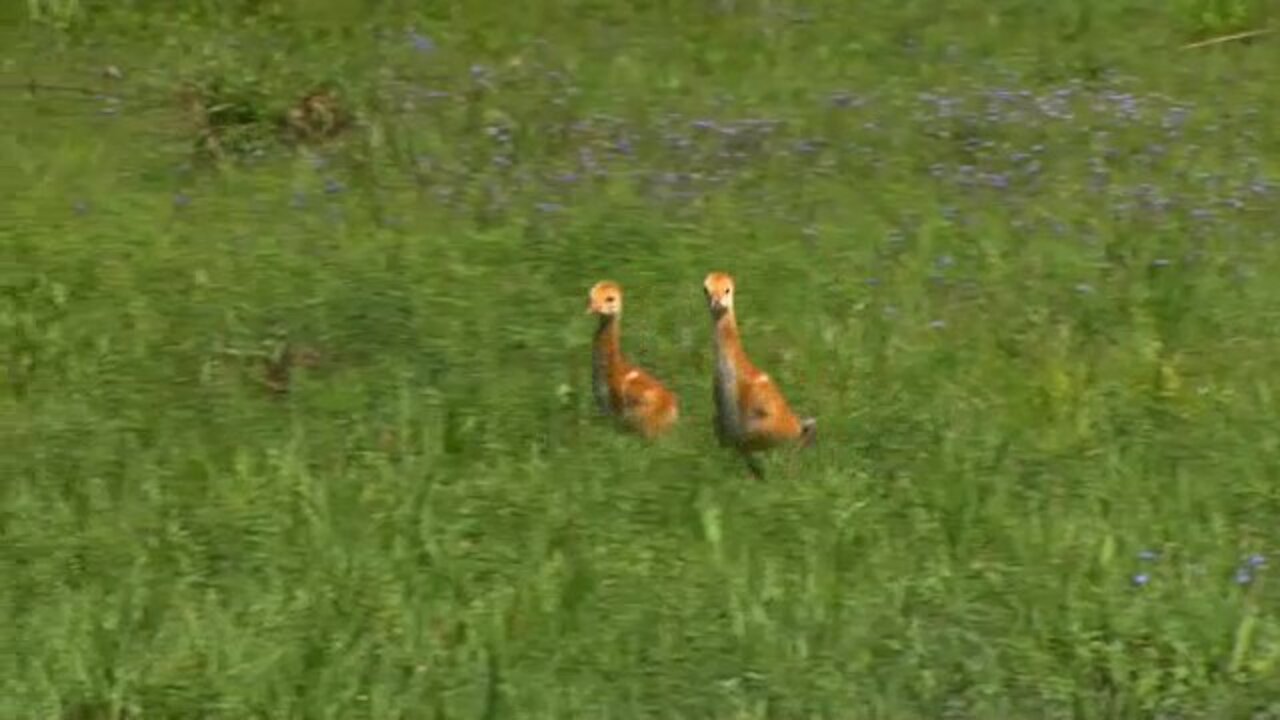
624	392
752	414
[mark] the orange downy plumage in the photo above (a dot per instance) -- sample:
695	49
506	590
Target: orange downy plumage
633	397
751	413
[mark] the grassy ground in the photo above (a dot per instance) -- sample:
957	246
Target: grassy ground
1017	258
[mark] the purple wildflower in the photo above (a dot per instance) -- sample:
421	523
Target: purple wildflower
421	43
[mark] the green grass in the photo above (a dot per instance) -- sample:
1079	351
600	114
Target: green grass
1038	327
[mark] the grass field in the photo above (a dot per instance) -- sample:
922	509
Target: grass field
302	428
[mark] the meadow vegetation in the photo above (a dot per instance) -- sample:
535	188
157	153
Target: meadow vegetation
297	418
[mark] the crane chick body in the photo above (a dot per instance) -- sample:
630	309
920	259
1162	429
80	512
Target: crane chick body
752	415
628	394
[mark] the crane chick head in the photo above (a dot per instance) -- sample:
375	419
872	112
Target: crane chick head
605	299
718	288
